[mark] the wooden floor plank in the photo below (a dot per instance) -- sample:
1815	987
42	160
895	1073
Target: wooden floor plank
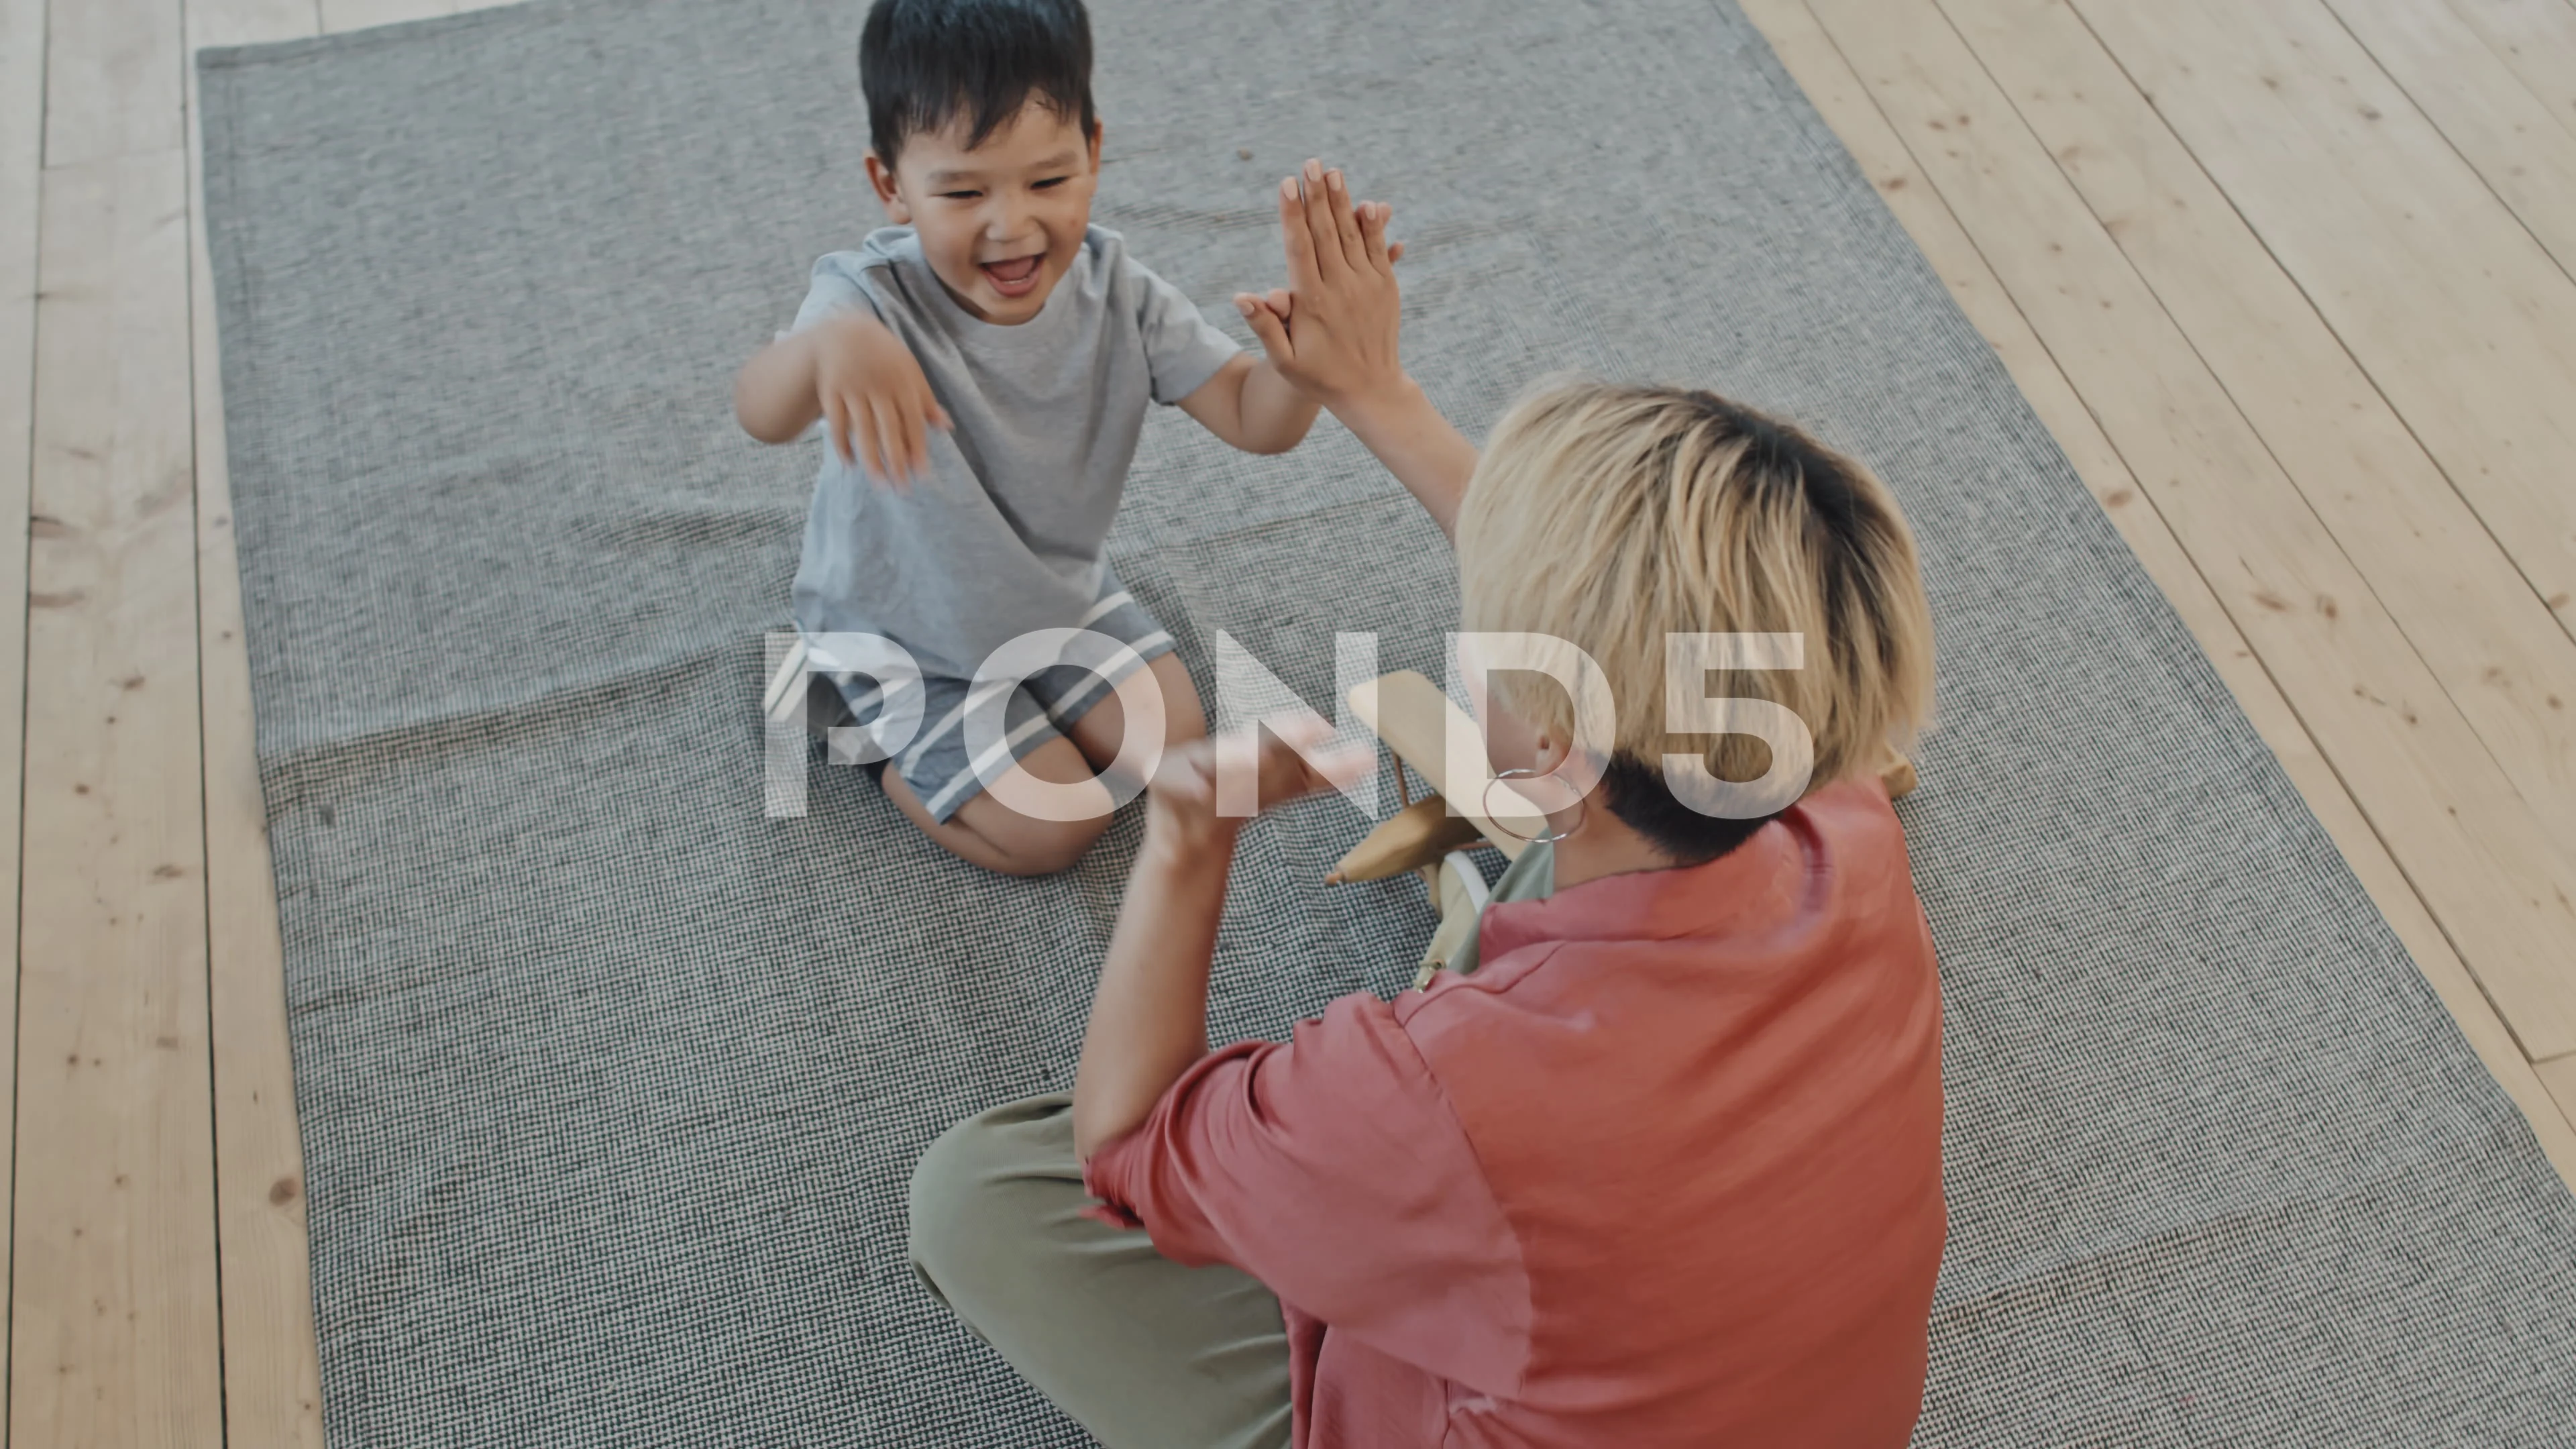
2498	651
2538	39
2561	1078
111	80
1840	98
272	1373
339	15
2512	137
22	142
2491	876
2463	321
113	1316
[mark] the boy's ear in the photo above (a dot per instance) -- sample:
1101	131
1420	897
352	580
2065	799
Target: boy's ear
1098	130
881	176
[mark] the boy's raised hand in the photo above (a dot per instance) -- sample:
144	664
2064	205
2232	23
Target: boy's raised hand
1333	332
876	403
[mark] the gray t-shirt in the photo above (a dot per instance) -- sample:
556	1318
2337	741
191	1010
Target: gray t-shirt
1004	535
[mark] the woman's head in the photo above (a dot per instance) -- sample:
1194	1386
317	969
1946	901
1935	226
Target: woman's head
1613	517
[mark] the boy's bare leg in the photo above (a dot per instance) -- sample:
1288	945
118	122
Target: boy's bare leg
986	832
1098	732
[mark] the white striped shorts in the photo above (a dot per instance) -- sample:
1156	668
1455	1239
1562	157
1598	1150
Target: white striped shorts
938	761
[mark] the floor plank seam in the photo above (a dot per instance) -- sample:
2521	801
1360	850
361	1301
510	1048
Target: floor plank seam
2438	129
2566	625
2377	831
2218	380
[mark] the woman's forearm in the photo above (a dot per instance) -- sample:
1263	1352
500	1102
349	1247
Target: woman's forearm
1149	1012
1431	458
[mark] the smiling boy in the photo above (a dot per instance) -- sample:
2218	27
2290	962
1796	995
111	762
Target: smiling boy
982	369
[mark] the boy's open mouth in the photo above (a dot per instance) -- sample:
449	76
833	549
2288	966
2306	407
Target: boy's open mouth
1014	278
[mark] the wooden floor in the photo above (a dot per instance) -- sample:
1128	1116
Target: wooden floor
2290	280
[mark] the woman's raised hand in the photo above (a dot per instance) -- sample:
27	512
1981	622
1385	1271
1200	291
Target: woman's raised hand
1205	789
1333	330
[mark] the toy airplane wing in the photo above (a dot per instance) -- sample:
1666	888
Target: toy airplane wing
1416	721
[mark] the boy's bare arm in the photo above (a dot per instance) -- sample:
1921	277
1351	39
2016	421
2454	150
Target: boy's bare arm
856	375
1251	406
773	396
1334	335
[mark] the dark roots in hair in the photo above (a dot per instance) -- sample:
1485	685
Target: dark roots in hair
1635	792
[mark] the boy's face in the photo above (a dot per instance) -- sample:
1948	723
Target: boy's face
999	223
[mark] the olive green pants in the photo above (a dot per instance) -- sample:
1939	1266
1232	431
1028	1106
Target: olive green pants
1144	1353
1141	1351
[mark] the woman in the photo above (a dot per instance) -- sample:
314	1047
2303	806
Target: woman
1662	1164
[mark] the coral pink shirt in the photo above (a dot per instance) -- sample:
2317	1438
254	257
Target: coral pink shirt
1665	1170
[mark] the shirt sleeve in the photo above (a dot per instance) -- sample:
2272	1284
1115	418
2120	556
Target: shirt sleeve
834	289
1331	1167
1182	349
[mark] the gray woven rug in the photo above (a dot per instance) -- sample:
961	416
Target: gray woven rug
610	1083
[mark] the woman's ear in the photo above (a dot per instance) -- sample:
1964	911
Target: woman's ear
1546	754
881	176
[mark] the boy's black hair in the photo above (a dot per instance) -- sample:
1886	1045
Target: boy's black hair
924	63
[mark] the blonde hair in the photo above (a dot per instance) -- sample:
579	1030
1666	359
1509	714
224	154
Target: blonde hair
1611	516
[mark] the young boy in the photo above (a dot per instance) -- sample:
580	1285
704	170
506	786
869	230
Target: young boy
982	369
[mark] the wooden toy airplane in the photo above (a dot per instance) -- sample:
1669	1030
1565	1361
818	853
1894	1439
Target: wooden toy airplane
1431	835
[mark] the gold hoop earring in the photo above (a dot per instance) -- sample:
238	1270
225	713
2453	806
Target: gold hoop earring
1583	809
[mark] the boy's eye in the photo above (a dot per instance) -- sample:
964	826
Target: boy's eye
1052	181
960	195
